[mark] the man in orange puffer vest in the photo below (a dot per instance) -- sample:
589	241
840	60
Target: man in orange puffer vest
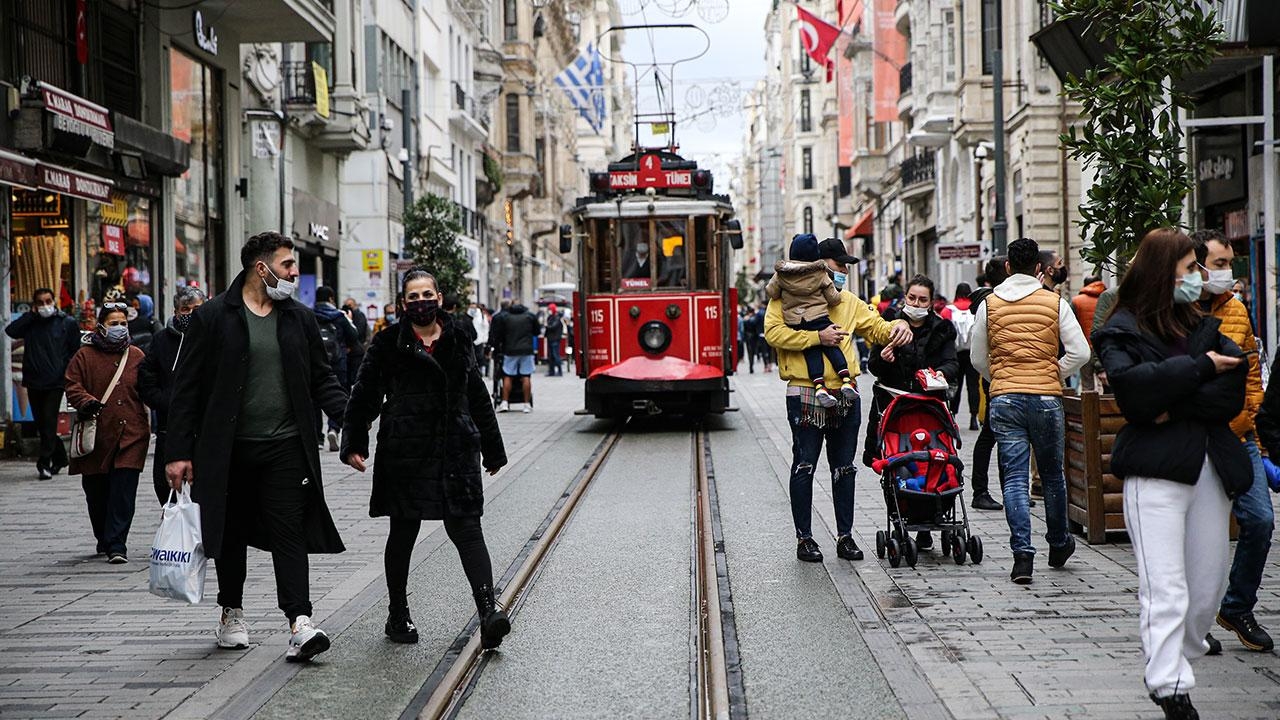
1252	509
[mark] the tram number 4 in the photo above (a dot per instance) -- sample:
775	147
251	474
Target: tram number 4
712	312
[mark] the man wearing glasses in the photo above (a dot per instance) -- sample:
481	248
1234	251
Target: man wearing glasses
250	376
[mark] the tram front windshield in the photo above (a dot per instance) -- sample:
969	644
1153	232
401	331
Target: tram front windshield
654	254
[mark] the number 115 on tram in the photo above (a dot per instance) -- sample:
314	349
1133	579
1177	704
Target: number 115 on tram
657	323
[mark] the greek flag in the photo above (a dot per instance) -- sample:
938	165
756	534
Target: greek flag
583	82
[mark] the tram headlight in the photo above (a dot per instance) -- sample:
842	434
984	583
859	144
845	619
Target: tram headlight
654	337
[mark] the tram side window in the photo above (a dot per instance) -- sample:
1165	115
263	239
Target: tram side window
634	254
598	258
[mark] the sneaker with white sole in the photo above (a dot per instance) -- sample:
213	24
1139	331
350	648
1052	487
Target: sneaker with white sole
232	631
504	406
333	441
527	408
306	642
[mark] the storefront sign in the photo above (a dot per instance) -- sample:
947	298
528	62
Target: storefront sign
206	38
117	213
113	240
960	252
1235	224
372	260
315	221
1220	168
17	170
78	116
73	183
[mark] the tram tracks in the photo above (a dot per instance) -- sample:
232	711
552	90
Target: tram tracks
715	674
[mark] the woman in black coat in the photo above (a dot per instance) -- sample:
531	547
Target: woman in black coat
421	379
933	345
1179	383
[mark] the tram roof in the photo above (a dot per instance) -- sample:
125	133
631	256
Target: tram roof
642	206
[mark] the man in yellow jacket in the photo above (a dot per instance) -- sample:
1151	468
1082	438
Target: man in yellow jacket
811	423
1252	509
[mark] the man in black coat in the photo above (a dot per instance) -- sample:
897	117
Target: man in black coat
553	335
248	382
155	375
361	323
512	334
50	337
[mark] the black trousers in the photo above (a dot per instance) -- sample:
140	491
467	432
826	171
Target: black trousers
813	355
158	478
267	493
111	498
44	409
967	382
467	537
979	478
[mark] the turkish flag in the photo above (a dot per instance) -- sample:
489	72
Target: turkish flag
82	33
816	35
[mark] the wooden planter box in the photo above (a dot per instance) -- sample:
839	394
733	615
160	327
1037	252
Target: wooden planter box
1095	497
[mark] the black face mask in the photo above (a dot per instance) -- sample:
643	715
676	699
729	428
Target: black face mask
421	312
181	322
1059	275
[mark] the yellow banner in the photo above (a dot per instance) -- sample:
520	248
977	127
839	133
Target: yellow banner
660	128
373	260
322	89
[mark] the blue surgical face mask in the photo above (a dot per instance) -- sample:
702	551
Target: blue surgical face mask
1189	290
117	333
840	279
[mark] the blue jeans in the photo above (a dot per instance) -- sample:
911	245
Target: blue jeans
1024	424
1257	519
841	435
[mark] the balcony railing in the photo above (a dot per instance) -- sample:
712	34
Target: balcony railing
467	105
473	224
917	169
904	79
299	86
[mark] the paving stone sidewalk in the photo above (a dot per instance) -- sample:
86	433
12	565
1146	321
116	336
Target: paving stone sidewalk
82	638
1066	646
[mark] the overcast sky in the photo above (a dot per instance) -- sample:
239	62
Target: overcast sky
732	64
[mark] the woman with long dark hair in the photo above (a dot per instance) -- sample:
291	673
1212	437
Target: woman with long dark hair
438	429
1179	382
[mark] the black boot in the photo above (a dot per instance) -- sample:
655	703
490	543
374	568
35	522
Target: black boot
1177	707
494	623
400	627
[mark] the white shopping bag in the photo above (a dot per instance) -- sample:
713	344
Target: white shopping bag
177	553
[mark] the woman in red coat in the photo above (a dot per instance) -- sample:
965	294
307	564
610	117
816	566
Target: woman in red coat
110	473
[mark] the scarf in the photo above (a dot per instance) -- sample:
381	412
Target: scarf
813	414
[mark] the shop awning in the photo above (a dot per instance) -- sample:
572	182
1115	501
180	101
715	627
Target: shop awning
864	226
74	183
17	170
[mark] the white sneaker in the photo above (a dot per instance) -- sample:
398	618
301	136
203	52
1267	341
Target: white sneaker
504	406
333	441
232	632
307	641
528	408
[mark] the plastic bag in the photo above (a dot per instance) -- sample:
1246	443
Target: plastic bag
177	553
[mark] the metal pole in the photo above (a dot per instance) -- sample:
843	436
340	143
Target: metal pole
406	103
1269	193
999	226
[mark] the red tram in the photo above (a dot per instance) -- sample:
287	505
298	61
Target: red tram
655	307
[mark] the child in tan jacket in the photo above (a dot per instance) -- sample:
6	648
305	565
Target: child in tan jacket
806	290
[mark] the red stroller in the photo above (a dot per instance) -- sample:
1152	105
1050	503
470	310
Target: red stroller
920	474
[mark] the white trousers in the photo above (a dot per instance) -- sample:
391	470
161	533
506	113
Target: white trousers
1180	539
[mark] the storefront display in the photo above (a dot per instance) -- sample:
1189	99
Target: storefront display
196	106
120	256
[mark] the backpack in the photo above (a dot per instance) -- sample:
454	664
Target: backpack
963	320
332	340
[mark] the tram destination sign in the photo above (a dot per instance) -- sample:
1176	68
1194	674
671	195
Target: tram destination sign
960	252
650	175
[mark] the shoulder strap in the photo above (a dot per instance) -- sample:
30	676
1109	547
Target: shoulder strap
124	360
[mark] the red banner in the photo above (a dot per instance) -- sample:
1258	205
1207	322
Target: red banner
113	240
890	55
850	17
73	183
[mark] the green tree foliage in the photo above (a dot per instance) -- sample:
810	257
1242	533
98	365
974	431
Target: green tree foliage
1130	136
431	227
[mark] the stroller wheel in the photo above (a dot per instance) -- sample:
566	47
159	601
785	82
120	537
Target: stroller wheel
946	540
975	549
957	549
882	539
895	553
909	552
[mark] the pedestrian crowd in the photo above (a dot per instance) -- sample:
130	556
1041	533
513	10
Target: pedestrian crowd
1173	342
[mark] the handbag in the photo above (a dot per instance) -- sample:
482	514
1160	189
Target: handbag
178	562
84	433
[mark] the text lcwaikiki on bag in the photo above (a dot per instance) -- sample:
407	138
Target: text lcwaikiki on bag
177	553
84	433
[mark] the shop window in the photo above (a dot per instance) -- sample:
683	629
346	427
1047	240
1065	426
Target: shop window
120	251
196	109
40	247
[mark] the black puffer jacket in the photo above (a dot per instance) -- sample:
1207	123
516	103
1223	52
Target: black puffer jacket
1150	379
933	346
512	332
437	423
